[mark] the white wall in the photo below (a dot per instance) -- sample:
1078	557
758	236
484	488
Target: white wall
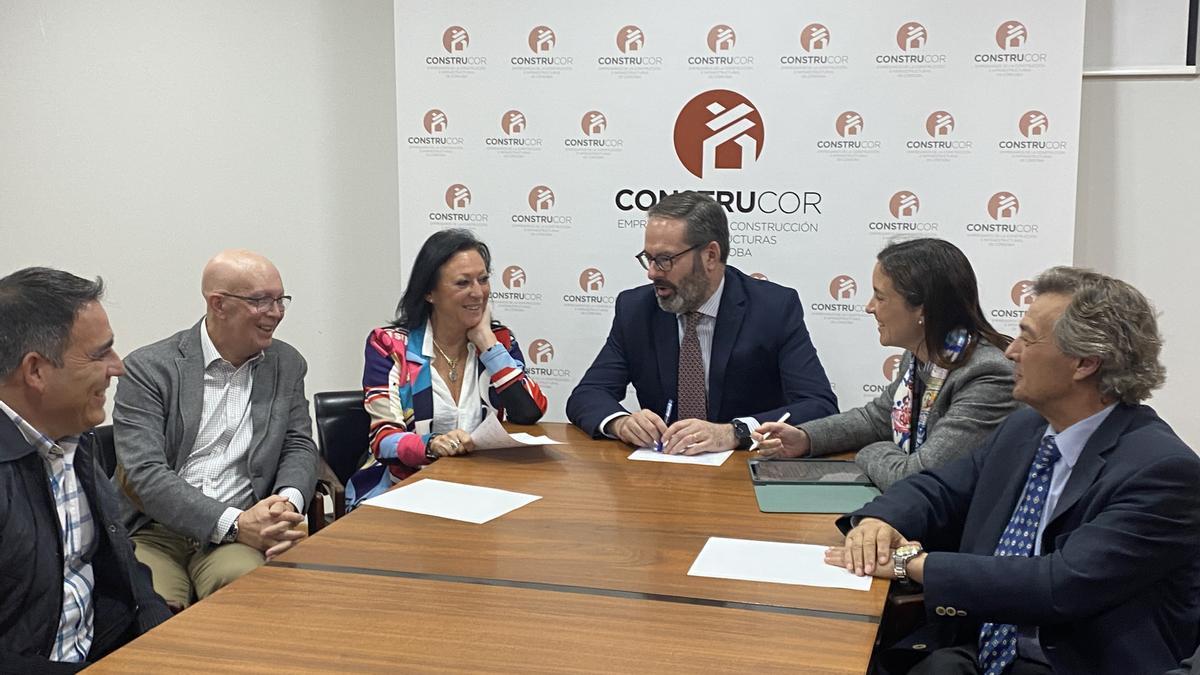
137	138
1137	215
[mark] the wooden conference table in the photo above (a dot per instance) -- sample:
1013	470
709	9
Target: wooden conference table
592	577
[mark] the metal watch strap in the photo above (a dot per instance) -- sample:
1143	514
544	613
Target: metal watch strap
900	560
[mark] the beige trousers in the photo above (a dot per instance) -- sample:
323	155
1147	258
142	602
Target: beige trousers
184	570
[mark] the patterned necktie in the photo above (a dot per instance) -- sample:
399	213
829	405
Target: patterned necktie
693	402
998	641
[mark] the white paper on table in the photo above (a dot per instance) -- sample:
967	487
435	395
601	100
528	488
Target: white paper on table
773	562
490	435
456	501
529	439
703	459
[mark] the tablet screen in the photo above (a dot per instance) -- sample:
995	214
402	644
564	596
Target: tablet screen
806	471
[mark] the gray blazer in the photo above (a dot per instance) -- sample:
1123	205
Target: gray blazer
156	417
975	398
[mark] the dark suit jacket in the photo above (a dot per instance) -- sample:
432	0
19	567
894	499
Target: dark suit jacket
156	416
1116	587
31	567
763	362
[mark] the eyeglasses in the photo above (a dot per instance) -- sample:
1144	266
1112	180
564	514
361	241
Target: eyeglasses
662	262
263	303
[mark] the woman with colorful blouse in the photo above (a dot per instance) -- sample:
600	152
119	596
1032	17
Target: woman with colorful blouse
431	376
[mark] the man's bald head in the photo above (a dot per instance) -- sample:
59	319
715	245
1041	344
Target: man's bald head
237	271
245	302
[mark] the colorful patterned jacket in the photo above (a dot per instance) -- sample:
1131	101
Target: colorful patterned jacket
398	395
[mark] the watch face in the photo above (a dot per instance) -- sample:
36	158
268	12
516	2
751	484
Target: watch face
908	549
741	433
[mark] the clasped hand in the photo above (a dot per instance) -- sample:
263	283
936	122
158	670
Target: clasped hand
270	526
644	429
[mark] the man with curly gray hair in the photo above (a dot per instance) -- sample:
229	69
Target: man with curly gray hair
1067	542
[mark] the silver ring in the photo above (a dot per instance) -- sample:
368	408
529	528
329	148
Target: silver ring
454	445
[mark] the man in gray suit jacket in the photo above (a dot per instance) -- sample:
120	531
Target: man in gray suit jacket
213	436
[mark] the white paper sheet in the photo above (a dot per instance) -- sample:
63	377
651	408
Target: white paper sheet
705	459
773	562
490	435
456	501
529	439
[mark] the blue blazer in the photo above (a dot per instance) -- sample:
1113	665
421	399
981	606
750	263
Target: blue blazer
1116	588
762	364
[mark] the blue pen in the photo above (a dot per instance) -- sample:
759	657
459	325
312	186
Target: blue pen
658	446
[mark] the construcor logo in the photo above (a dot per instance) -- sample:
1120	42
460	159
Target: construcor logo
513	122
541	351
904	204
630	39
455	39
890	365
435	122
721	38
760	276
593	123
911	35
939	123
1034	123
458	196
1003	206
814	37
843	287
1022	293
591	280
513	277
848	124
541	198
541	39
1011	34
719	130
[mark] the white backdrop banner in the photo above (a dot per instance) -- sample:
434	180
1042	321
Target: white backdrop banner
826	129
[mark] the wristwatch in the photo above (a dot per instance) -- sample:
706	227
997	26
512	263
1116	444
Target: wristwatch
232	534
741	432
430	455
900	558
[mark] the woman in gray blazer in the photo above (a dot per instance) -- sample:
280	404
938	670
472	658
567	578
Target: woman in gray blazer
953	386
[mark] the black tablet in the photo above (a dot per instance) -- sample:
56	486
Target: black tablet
821	471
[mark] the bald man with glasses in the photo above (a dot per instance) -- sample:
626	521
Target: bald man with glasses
711	351
215	454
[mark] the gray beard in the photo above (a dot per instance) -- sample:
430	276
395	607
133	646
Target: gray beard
689	294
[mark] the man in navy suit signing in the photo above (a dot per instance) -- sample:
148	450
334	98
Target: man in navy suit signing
711	351
1067	542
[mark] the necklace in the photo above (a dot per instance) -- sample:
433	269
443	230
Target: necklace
452	362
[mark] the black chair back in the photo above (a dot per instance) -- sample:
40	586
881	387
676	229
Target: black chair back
342	430
106	449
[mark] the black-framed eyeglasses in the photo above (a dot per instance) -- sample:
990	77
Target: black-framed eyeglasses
263	303
662	262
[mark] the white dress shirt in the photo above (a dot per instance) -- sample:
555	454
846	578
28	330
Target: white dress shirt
218	465
448	414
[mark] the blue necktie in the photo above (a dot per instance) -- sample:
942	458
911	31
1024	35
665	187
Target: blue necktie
998	641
